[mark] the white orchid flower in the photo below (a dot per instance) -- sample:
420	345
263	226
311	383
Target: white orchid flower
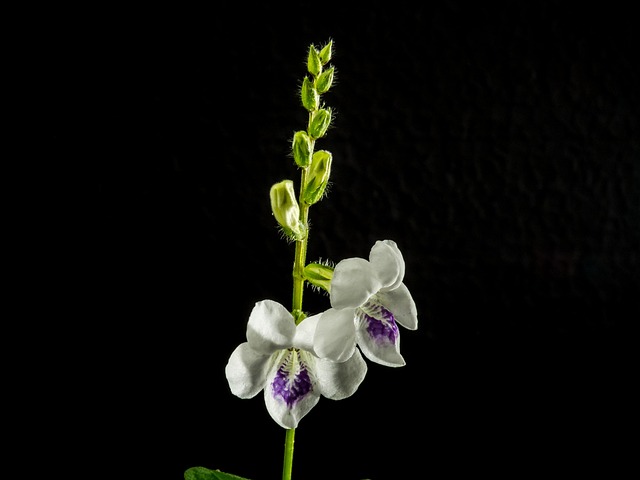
368	300
278	357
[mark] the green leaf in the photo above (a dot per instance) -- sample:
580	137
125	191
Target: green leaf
201	473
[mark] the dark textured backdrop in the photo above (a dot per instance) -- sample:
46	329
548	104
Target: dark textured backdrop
498	145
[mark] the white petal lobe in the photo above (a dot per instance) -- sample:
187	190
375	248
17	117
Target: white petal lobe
353	282
270	328
246	371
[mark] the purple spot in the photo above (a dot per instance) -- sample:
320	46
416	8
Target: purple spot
379	323
292	381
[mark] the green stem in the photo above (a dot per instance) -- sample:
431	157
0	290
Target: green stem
288	454
300	258
298	290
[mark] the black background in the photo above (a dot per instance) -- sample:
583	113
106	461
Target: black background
497	144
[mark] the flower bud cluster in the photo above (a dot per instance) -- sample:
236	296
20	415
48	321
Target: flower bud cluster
316	166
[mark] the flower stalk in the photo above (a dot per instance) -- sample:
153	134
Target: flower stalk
316	128
300	255
287	465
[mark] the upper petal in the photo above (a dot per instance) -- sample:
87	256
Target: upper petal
335	336
292	389
270	328
305	332
341	380
246	371
353	282
401	304
388	263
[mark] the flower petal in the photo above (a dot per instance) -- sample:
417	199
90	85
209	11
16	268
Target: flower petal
335	336
388	263
378	336
305	332
246	371
270	328
400	302
291	390
353	282
341	380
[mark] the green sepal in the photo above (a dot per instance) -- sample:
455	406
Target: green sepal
319	275
325	80
298	315
201	473
317	177
320	122
314	63
309	95
326	52
302	148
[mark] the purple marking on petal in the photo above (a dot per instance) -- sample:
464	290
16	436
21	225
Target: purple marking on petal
380	323
292	381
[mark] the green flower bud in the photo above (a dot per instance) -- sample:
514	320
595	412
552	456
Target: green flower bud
314	64
319	275
325	53
286	210
319	123
302	148
317	177
324	81
310	97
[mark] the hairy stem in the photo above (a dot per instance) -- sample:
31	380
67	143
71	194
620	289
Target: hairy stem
300	259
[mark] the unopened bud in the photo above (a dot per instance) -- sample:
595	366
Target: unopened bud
286	210
314	64
319	275
309	95
317	177
302	148
324	81
326	52
319	123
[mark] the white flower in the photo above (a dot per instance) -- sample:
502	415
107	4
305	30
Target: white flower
278	357
368	301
